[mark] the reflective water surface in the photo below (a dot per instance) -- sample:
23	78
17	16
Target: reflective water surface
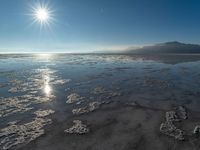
39	90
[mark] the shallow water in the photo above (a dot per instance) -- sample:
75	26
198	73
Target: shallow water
36	89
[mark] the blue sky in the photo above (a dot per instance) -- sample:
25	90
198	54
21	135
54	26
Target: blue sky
89	25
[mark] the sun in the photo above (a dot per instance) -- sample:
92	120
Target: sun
42	14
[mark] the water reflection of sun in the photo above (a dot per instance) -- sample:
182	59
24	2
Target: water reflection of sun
47	87
43	55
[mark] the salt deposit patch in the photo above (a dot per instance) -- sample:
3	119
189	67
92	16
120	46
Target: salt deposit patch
43	113
168	127
77	128
20	104
91	107
14	134
99	90
60	81
74	97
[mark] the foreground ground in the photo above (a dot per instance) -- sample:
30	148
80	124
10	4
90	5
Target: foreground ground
99	102
118	126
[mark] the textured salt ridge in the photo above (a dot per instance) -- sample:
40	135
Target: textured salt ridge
74	97
196	130
60	82
99	90
21	104
33	85
89	108
107	94
36	81
169	128
14	134
77	128
44	113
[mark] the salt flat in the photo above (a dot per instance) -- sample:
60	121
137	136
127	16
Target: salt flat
99	101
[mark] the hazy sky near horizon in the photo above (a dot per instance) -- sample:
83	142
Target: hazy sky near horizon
89	25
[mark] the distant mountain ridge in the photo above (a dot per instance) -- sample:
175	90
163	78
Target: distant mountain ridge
167	48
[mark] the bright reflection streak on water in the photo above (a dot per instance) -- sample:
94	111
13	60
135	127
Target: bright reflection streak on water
47	87
46	74
44	55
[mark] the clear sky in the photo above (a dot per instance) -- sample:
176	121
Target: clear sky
89	25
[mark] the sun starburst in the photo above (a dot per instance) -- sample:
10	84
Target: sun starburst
42	13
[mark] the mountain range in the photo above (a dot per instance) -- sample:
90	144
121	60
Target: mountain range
166	48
